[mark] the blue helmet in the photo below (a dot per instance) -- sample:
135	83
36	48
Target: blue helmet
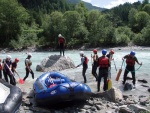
104	51
132	53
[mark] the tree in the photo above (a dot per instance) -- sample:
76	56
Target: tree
146	8
140	21
132	19
12	16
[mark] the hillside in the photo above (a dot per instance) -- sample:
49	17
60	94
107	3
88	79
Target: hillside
88	5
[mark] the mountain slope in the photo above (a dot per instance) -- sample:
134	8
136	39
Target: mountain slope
88	5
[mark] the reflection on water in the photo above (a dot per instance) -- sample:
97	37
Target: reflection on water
143	56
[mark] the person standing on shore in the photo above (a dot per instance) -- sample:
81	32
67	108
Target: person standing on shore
103	64
110	57
130	67
1	68
84	63
14	66
28	64
95	63
7	66
61	42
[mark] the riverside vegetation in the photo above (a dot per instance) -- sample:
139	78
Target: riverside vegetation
38	23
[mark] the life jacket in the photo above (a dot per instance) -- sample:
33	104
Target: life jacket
130	61
29	62
103	62
95	62
0	66
86	60
61	40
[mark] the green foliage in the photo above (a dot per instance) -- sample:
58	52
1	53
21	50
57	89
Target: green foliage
12	16
146	8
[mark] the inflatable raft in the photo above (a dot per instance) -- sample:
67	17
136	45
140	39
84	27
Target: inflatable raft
54	87
10	97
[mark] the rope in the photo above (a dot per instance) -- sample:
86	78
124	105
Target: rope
134	69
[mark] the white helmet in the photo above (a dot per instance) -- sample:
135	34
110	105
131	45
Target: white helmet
8	57
59	35
29	54
81	53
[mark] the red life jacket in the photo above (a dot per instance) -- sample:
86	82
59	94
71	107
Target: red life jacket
103	62
86	60
0	66
61	40
130	61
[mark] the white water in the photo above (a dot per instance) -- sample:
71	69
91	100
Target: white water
142	55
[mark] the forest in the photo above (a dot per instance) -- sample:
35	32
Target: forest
26	23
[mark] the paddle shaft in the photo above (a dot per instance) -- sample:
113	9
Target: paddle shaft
119	73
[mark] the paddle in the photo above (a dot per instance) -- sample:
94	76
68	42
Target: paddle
21	81
119	72
115	65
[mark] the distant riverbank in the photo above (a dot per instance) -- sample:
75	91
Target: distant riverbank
84	48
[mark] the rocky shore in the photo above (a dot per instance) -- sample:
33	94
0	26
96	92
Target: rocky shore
112	101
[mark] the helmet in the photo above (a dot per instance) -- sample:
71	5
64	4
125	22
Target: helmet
81	53
104	51
16	59
132	53
95	50
8	57
29	54
112	51
59	35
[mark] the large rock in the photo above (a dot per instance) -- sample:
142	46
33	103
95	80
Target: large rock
113	95
55	63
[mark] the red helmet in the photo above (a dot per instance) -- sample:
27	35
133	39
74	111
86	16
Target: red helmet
16	59
112	51
95	50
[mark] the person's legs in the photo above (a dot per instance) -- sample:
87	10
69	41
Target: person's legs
105	79
12	79
94	68
27	74
5	76
125	76
133	77
32	74
83	73
99	80
63	49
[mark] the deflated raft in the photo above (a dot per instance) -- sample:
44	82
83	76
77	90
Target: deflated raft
54	87
10	97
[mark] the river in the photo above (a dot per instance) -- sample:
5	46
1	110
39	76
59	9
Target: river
142	55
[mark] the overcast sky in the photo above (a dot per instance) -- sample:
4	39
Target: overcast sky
109	3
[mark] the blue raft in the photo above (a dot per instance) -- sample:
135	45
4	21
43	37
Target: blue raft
54	87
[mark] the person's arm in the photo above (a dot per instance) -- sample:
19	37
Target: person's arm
124	57
137	61
82	60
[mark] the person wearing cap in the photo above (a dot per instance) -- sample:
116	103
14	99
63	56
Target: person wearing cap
103	64
130	66
95	63
7	65
110	56
61	42
28	64
84	63
14	66
0	68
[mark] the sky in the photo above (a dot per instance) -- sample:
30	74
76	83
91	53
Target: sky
109	3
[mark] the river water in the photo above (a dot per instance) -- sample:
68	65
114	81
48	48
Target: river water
142	55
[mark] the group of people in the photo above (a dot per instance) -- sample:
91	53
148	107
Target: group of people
103	63
8	67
